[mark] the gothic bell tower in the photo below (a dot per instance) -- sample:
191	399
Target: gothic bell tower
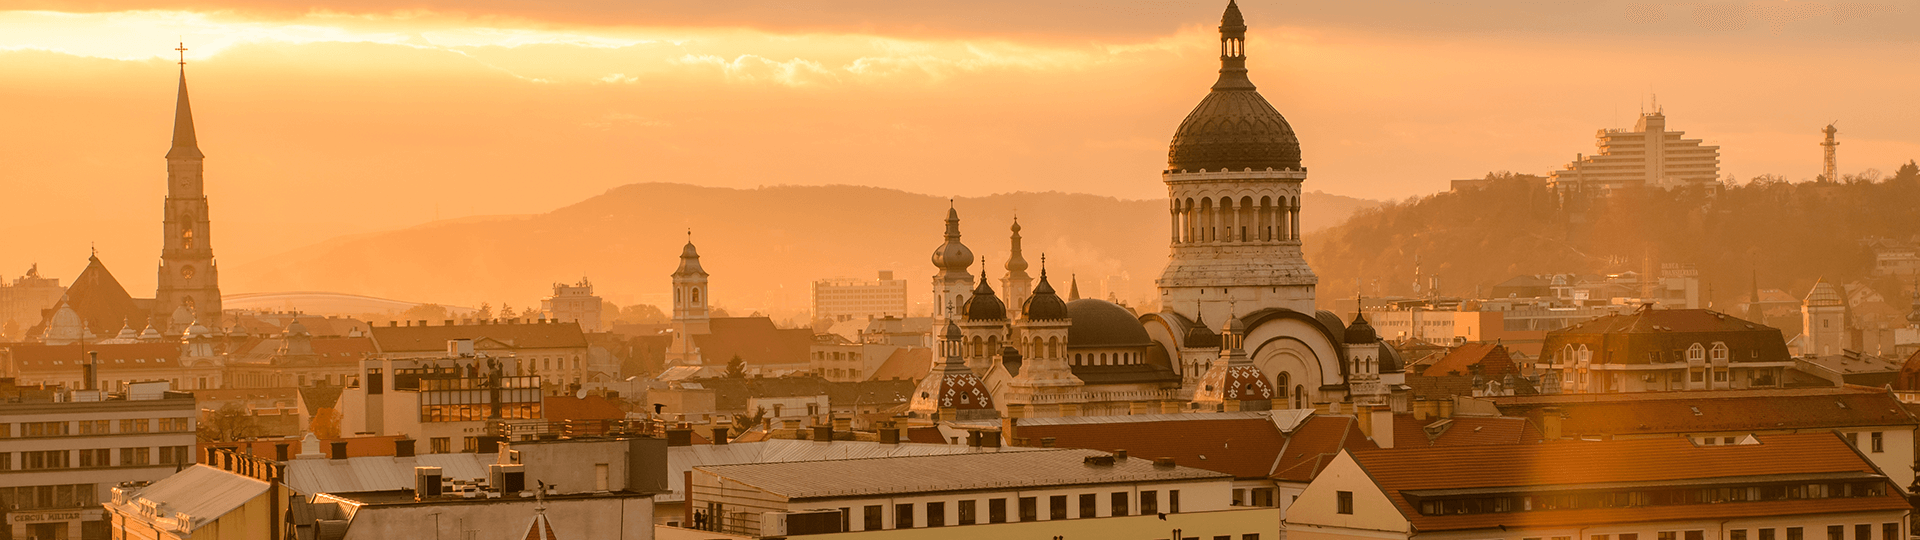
188	275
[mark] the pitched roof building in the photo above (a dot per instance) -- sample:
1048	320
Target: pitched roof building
1663	349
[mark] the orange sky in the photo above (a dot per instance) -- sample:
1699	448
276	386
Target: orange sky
350	116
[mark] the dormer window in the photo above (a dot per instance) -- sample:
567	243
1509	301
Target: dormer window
1696	353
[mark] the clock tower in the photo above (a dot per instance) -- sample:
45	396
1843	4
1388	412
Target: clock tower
188	275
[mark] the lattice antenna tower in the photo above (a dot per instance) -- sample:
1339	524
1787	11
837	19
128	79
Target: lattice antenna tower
1831	167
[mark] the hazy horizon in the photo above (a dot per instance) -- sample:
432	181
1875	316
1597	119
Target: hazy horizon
327	119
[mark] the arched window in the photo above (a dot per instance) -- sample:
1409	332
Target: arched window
1286	382
1720	352
694	296
1078	361
186	238
1696	353
1053	347
676	297
1299	397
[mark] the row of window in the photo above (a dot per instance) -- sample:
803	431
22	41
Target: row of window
95	458
46	497
1861	531
1118	504
474	412
96	427
1655	497
444	445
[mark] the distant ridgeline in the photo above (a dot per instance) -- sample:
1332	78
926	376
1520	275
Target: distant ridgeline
1475	237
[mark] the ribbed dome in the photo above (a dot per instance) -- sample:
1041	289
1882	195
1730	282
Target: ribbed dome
1234	127
984	305
952	256
1099	323
1045	304
1824	294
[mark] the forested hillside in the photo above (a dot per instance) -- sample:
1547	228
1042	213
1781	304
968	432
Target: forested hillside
1789	233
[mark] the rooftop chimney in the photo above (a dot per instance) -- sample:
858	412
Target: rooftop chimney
280	452
426	482
92	370
679	436
823	433
402	448
338	450
889	435
720	435
990	439
1163	462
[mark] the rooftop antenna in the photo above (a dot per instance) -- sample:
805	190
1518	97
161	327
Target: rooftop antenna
1831	166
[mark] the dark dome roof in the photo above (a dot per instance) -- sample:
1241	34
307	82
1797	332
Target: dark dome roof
1199	336
952	256
1234	127
1099	323
1360	332
984	305
1045	305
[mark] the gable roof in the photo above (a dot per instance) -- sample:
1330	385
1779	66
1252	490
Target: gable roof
101	302
1314	445
755	340
1492	358
1725	410
39	359
203	493
906	363
1655	462
416	339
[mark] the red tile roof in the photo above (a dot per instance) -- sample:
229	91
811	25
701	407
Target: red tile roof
1733	410
38	359
755	340
1518	467
1243	447
1315	443
1462	431
417	339
562	408
906	364
1492	358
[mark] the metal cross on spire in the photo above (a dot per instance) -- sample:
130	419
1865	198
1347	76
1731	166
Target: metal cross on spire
183	52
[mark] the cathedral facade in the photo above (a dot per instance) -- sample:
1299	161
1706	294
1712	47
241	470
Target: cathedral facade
1237	328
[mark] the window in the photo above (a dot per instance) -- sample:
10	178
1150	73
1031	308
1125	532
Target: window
968	513
46	459
1796	533
1629	536
997	511
1089	505
134	425
1250	536
1737	534
175	455
936	514
1149	503
1119	504
1698	376
1696	535
1343	503
1263	497
1836	532
1890	531
871	518
6	464
1766	534
6	431
99	457
440	445
1173	501
1599	537
470	445
1879	445
1863	531
1669	535
903	516
131	457
1029	509
43	429
174	424
1057	507
1239	497
94	427
1853	439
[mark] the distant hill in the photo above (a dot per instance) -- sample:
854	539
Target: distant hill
763	246
1790	234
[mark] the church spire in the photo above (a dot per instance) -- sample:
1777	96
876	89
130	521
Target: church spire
185	145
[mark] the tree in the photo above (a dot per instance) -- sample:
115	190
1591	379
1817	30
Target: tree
742	423
485	312
736	368
640	314
425	312
229	423
326	423
1907	173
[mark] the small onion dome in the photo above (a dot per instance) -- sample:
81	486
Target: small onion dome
197	331
1199	336
1234	127
1360	332
1045	304
984	305
953	256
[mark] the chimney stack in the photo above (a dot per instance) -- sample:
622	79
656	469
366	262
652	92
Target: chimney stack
823	433
280	452
889	434
402	448
720	435
1550	423
679	436
338	450
92	370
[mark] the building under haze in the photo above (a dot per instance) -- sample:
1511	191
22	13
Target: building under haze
846	299
1649	155
1237	327
576	303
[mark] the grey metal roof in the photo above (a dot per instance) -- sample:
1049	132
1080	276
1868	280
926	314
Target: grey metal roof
681	459
958	472
202	493
378	473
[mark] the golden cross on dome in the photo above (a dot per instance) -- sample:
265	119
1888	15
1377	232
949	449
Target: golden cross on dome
183	52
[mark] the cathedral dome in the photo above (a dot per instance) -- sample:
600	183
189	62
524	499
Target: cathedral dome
1099	323
1045	304
689	262
984	305
953	256
1234	127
